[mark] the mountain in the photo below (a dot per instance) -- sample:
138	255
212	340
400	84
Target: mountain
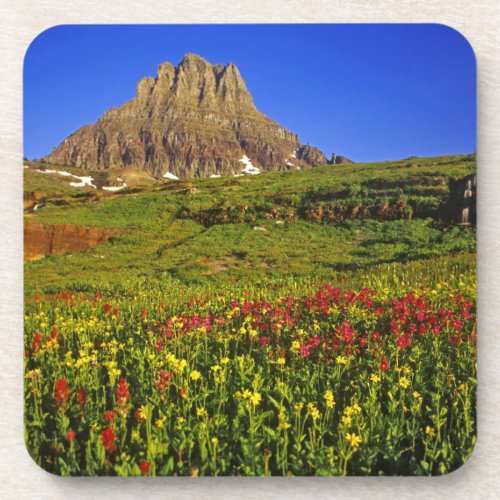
193	120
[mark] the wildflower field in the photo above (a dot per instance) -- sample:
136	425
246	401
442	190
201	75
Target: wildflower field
292	323
290	377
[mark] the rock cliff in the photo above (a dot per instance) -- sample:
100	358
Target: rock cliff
192	120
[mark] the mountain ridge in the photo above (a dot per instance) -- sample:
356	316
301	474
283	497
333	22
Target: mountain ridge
192	120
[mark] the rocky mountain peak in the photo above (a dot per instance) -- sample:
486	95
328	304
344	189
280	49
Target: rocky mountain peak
191	120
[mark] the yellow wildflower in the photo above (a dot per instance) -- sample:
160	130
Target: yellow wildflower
375	378
201	412
280	361
195	375
330	401
313	411
346	420
353	440
215	368
214	441
224	361
404	382
430	431
341	360
256	398
298	406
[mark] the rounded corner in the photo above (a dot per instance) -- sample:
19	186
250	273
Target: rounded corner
37	38
451	472
30	453
455	32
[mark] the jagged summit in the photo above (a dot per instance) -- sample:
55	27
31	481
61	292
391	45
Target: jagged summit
195	119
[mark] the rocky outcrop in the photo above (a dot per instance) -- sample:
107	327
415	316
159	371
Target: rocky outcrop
192	120
41	239
339	160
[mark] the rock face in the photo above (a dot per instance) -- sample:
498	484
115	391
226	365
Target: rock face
192	120
339	160
42	239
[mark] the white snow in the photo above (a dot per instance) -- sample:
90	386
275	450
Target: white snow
238	175
292	154
249	168
114	188
214	176
289	164
119	179
83	181
168	175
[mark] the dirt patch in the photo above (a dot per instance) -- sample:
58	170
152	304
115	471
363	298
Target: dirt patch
217	265
41	239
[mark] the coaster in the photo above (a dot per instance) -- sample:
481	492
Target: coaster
250	250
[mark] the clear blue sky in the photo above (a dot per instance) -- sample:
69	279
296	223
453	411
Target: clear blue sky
369	92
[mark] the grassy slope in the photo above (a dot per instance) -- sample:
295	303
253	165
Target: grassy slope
169	236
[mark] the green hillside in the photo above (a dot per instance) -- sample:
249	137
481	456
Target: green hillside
307	223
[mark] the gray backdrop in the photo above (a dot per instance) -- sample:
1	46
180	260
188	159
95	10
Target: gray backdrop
20	23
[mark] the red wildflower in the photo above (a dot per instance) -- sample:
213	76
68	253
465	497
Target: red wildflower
107	308
264	340
144	314
304	351
81	397
61	393
401	342
455	339
108	437
37	342
70	436
122	393
384	364
163	379
144	466
456	324
109	416
362	341
182	392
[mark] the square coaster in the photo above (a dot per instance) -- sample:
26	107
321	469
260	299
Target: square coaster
250	250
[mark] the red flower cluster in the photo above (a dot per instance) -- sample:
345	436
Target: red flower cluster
163	379
61	393
108	437
144	466
122	393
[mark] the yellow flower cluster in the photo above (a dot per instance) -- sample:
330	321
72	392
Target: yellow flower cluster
329	399
313	411
177	365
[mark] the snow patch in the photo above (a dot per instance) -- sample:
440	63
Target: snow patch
289	164
83	180
214	176
249	168
114	188
168	175
293	153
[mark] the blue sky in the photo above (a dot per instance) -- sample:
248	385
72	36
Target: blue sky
369	92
